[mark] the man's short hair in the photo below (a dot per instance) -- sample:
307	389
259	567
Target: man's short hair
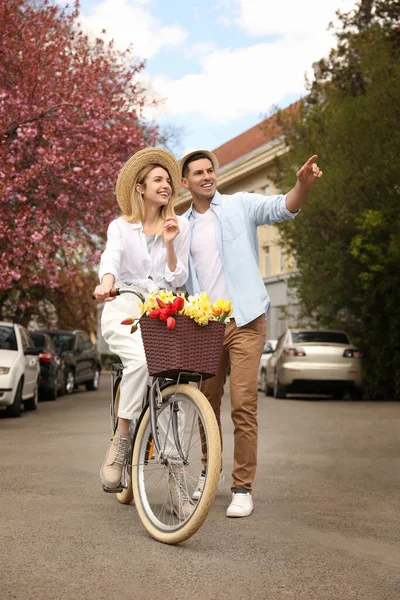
192	158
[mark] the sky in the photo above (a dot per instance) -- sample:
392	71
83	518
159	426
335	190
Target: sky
219	66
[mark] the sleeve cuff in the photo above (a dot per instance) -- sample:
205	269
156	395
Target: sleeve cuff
104	271
286	211
177	277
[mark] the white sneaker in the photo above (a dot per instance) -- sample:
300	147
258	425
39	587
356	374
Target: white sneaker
182	505
241	505
200	484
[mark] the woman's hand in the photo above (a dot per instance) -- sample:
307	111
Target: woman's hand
102	291
171	229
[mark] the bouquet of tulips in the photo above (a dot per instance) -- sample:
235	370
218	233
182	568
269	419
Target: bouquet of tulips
163	305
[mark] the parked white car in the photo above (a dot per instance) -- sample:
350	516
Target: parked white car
269	348
315	361
19	369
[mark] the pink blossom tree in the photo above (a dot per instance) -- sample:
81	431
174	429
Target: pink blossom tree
71	113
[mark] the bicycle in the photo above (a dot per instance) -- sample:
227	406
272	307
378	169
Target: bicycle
165	458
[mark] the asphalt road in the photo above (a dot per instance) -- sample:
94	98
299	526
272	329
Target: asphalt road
326	523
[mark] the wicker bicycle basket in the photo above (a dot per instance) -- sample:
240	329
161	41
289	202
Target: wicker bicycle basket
188	347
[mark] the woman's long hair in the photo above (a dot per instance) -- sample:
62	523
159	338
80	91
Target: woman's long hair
138	209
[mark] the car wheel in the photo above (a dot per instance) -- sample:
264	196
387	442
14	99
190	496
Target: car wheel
70	382
33	402
14	410
338	395
356	394
93	384
52	393
279	390
264	384
61	384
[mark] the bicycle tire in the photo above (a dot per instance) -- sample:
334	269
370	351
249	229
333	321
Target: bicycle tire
126	496
202	508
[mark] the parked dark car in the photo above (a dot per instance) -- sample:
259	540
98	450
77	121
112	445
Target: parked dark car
51	383
80	359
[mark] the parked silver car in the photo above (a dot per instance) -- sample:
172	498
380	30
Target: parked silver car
268	350
310	361
19	369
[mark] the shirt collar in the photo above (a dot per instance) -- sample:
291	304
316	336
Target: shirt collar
216	200
137	225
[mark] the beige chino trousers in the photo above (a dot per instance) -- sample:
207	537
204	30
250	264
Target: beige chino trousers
243	348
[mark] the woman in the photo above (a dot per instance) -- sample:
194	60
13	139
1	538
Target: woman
147	248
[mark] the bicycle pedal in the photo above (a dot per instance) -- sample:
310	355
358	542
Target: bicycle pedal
108	490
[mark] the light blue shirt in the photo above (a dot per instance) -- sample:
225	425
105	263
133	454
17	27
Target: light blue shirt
238	217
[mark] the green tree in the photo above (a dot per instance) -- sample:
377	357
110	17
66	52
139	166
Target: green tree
346	241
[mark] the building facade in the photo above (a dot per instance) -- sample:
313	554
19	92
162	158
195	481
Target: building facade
246	164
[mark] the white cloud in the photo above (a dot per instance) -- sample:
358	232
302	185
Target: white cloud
130	21
263	17
237	82
200	50
243	81
233	82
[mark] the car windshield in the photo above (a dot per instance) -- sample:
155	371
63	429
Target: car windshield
8	341
320	337
38	340
64	342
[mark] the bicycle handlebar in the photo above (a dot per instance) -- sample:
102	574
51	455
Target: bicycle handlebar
118	291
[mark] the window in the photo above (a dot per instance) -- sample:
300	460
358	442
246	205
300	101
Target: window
39	340
26	342
322	337
64	342
8	341
84	342
266	189
282	266
267	261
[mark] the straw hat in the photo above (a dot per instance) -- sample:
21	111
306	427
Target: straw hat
210	155
131	168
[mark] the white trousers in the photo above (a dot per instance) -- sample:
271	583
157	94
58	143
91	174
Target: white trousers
135	376
129	347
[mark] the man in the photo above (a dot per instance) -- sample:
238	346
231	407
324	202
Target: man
224	263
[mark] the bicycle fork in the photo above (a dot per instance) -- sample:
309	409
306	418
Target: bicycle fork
155	402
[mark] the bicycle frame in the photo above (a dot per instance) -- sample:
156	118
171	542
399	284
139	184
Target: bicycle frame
153	398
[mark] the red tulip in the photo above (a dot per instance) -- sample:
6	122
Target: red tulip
154	314
171	309
127	321
160	303
164	314
179	303
171	322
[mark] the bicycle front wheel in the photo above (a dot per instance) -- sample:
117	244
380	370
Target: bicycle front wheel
163	484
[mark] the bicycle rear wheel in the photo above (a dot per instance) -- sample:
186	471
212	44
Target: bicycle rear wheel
164	484
126	496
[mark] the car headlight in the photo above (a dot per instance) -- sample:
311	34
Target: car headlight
4	370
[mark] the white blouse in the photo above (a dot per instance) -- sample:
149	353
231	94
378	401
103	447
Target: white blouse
127	257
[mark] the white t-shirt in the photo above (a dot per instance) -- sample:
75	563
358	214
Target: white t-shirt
209	269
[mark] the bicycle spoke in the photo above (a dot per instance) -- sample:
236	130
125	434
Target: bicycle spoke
167	482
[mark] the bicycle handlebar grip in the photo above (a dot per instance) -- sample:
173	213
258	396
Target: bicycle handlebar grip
113	293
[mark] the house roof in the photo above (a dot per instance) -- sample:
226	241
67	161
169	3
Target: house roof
252	138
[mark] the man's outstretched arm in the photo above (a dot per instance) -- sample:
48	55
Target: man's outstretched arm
306	177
